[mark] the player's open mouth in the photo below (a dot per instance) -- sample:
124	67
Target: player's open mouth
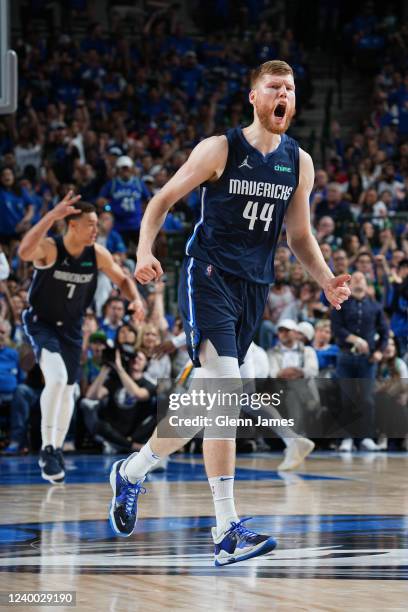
280	110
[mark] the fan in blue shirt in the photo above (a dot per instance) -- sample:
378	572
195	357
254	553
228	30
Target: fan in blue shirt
10	372
124	194
107	236
16	206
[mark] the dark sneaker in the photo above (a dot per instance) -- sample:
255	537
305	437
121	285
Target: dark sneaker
60	456
51	469
239	543
123	509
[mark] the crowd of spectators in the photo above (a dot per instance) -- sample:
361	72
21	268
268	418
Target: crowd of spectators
114	117
359	209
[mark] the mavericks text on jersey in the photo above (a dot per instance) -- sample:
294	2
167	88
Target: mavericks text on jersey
242	212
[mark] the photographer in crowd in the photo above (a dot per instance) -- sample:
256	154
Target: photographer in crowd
119	408
92	363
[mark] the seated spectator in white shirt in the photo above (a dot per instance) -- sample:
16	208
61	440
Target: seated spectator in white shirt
290	359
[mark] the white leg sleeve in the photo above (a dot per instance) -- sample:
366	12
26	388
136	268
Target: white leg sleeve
216	367
247	369
205	379
56	378
65	415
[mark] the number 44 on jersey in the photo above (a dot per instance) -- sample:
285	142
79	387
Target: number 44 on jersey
251	213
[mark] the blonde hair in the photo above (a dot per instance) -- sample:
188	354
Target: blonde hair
277	67
323	323
7	326
293	267
141	333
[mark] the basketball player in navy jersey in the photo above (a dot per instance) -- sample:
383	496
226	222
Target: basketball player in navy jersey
62	288
251	179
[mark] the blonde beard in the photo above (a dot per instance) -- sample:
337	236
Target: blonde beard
265	119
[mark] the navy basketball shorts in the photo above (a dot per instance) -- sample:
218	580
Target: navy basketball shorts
220	307
55	339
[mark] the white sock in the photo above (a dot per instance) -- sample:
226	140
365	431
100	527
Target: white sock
288	441
64	416
55	376
137	465
222	488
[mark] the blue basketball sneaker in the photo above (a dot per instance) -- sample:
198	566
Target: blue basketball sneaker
123	509
239	543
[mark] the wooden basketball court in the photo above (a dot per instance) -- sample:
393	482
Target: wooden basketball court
341	523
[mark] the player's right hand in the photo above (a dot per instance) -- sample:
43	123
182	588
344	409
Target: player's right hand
148	269
67	206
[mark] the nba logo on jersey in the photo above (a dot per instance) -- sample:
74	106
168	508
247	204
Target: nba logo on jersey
209	270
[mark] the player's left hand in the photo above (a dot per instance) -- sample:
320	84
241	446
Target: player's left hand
66	207
337	291
138	309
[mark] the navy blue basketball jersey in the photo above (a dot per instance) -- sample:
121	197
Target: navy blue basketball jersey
61	293
243	211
